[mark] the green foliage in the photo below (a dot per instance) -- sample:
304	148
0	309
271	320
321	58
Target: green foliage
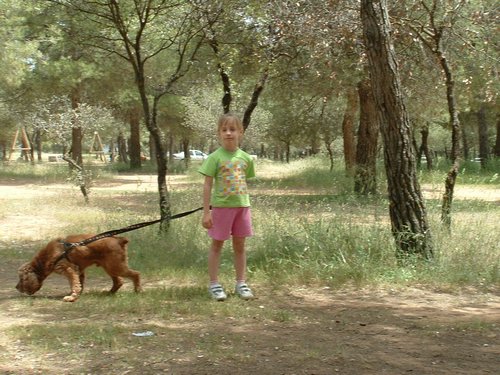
66	49
18	54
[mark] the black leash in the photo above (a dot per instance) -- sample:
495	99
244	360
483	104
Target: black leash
68	246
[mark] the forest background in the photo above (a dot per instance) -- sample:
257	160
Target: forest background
152	77
317	84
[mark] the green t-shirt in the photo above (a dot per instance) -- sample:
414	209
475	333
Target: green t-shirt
230	171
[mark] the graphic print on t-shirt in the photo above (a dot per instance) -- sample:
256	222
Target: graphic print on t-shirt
233	177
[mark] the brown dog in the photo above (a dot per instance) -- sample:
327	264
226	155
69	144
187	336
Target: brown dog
109	253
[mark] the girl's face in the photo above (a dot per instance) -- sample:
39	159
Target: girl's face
230	136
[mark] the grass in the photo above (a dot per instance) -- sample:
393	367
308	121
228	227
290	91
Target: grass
470	173
332	239
310	230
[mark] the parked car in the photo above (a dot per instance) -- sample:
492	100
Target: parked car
193	155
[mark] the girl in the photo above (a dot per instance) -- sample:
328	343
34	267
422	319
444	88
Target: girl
226	171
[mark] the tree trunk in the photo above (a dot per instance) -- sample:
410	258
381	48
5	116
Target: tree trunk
37	142
3	148
424	146
134	119
348	129
484	149
329	150
152	150
365	179
456	152
226	84
150	116
254	100
406	205
80	176
170	147
76	160
185	149
76	131
497	143
315	144
112	154
76	145
161	162
122	148
465	142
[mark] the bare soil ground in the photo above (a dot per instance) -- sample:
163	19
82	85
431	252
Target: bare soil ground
323	331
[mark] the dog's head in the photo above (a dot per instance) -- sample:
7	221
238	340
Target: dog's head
29	282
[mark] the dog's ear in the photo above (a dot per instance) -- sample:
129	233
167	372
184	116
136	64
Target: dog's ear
122	241
25	267
28	280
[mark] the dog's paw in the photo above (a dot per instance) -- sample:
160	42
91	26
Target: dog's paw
70	298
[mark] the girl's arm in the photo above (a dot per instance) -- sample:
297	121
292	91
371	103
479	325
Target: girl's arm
207	191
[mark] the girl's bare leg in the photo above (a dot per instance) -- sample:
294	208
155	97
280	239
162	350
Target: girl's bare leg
214	260
240	259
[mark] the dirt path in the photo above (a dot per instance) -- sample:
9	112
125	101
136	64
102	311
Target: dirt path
351	331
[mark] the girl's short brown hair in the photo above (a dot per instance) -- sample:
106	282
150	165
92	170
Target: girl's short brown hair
229	119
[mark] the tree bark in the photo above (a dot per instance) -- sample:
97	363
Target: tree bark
484	149
161	164
226	84
112	155
80	176
456	151
37	144
150	115
185	149
76	160
348	130
406	205
329	150
254	100
432	35
122	148
76	131
134	119
497	143
287	152
465	142
365	179
424	147
3	148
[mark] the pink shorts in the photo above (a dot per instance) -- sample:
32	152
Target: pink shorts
227	222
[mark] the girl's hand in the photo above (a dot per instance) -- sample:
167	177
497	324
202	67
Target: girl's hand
207	221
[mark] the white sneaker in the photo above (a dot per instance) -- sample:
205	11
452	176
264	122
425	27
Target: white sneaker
243	291
217	292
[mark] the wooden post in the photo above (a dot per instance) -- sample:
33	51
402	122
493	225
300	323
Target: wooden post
25	144
97	147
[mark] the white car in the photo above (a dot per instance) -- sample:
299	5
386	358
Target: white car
193	155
